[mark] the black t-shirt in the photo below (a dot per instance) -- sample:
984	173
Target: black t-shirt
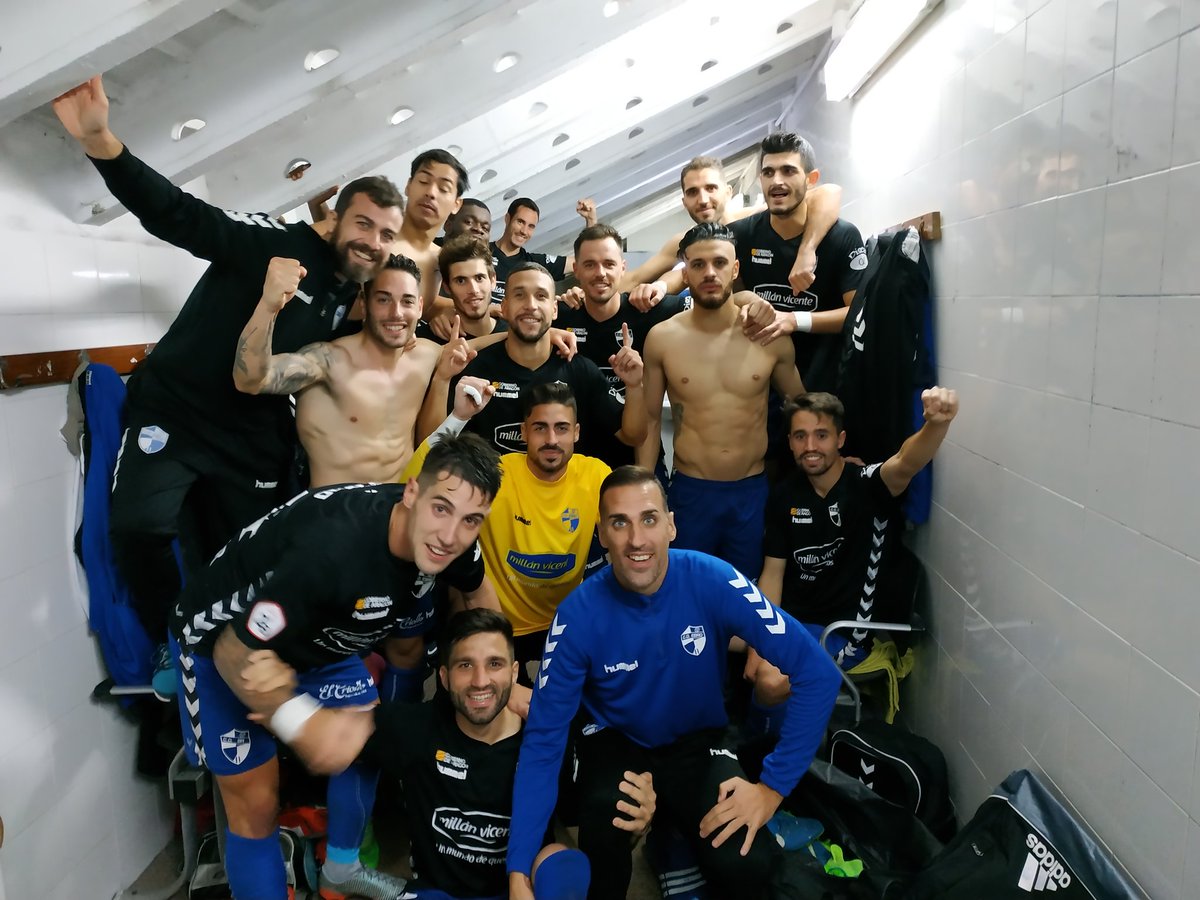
457	796
600	340
313	580
764	262
424	331
499	423
189	377
836	547
503	263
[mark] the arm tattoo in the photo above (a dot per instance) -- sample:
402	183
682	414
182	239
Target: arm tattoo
289	372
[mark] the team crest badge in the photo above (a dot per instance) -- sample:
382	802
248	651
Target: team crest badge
151	439
835	515
693	639
235	745
570	518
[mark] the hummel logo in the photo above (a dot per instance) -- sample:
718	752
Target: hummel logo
1042	871
522	520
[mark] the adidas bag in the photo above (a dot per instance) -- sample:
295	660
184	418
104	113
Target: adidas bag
1022	842
898	766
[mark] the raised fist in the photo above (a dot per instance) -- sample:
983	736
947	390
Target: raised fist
940	405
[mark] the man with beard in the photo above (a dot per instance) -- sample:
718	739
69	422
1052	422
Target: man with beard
509	253
456	758
640	647
767	242
465	264
526	357
199	459
832	525
538	544
318	581
357	398
718	380
433	193
705	195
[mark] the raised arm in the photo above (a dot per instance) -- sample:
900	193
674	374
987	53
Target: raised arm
654	387
455	355
164	210
628	366
940	407
653	268
255	369
824	206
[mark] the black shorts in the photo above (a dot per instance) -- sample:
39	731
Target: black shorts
171	481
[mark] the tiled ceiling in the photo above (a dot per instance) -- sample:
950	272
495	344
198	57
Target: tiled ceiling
605	99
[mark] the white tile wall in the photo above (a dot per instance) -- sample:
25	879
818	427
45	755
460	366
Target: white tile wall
79	823
1064	546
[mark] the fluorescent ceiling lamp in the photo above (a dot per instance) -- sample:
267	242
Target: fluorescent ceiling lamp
876	30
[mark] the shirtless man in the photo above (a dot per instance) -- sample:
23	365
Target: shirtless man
358	396
433	193
705	195
717	379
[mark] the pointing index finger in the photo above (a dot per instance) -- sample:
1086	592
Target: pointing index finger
626	337
454	330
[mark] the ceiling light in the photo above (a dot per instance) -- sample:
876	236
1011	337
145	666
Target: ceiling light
186	128
454	150
876	30
636	155
403	114
561	138
572	163
633	102
703	98
783	26
611	8
317	58
505	62
487	176
630	62
639	130
537	109
296	168
510	193
708	65
714	20
765	68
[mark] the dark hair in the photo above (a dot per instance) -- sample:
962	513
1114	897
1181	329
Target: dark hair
706	231
525	202
474	201
445	157
547	392
702	162
528	266
461	248
379	190
471	622
598	232
819	404
400	262
624	476
789	142
468	457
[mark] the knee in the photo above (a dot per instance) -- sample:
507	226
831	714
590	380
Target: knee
560	873
404	652
251	805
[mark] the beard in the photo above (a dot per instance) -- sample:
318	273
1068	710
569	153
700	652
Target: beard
458	699
352	266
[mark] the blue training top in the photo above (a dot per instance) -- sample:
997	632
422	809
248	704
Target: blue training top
652	667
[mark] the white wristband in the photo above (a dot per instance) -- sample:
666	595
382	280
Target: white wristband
451	427
803	320
288	721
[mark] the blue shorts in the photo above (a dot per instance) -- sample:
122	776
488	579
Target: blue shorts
721	518
217	732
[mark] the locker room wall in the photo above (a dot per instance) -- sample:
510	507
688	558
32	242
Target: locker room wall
1064	544
78	822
